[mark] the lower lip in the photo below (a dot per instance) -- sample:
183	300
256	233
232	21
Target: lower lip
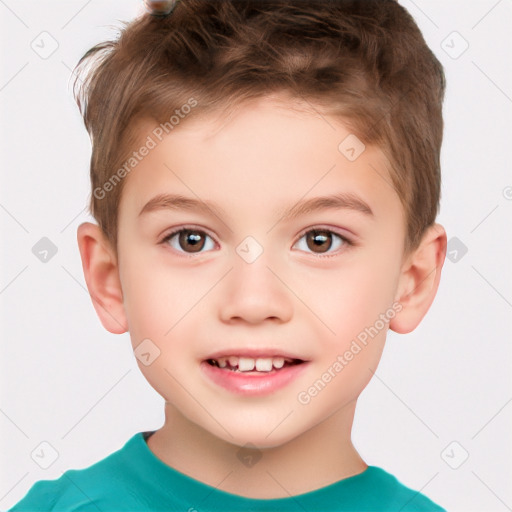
253	384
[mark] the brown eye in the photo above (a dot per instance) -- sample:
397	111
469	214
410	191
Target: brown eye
187	240
320	241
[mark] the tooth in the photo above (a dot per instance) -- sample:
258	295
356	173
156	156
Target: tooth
233	360
245	364
278	362
222	362
264	364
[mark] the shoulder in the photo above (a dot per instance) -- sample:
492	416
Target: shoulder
57	495
41	496
394	495
80	490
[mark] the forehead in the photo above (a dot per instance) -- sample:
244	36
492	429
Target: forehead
268	151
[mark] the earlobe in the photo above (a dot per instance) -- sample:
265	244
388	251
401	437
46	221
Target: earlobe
101	274
419	280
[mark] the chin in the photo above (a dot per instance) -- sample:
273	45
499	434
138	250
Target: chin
261	436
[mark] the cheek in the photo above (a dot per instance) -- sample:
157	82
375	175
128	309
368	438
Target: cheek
149	301
353	298
160	303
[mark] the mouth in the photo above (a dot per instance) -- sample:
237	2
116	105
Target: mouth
255	373
253	365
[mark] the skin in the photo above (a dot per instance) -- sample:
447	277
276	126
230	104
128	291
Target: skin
265	157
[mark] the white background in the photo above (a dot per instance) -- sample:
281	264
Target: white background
67	381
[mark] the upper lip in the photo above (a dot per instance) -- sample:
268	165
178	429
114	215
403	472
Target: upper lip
254	353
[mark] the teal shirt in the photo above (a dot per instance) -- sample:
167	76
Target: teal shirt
133	479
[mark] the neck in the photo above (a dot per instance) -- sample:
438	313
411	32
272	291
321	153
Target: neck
319	457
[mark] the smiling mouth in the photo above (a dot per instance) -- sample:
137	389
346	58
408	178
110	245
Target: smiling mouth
254	365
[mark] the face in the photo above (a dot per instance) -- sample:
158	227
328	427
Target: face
235	278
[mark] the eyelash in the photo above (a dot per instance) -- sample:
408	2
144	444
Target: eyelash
346	241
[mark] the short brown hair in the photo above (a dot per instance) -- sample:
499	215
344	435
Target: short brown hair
365	61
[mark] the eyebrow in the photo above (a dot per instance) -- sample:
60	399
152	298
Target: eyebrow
179	202
345	200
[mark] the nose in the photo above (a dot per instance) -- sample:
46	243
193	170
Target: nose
255	292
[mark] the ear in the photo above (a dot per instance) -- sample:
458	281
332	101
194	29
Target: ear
419	280
101	274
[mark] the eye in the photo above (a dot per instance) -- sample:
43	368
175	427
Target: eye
188	240
320	241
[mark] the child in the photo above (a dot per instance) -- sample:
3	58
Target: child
295	146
